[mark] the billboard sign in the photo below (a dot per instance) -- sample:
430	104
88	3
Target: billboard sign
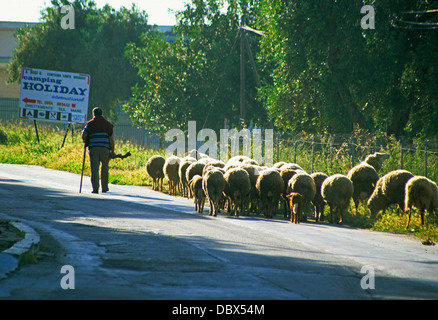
54	96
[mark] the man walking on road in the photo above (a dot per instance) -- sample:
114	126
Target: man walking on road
98	136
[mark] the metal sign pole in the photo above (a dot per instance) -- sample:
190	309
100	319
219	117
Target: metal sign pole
65	136
36	131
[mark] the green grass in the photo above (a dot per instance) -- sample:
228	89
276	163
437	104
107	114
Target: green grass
341	162
18	145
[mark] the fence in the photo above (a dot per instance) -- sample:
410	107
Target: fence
9	109
140	136
339	153
124	132
330	154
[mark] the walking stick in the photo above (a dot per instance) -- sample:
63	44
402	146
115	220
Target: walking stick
83	164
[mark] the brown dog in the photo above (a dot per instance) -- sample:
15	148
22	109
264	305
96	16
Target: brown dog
296	206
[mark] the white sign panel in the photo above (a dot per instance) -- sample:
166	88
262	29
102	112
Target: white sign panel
54	96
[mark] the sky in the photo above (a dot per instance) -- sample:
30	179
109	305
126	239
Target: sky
29	10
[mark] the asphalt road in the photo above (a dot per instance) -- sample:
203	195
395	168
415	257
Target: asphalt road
134	243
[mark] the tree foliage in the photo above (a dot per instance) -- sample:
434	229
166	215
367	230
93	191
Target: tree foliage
196	77
320	71
330	75
96	46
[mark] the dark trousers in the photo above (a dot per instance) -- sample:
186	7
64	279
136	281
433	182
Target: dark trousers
99	157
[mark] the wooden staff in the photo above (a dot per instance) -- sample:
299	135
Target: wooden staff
83	164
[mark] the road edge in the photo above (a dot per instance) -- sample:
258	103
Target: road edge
13	257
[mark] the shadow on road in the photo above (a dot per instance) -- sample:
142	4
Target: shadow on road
143	251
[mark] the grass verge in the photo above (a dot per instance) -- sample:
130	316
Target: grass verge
18	145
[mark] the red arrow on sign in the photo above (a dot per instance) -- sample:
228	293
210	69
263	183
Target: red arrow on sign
27	100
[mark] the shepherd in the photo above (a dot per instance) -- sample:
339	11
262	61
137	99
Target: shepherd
98	137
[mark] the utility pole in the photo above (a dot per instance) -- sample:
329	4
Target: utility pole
242	73
244	44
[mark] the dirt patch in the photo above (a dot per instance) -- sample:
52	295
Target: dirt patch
9	235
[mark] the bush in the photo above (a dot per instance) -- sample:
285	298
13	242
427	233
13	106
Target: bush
3	137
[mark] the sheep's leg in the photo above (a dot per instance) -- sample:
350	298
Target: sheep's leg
321	216
299	211
341	216
304	210
215	208
211	212
287	205
231	207
409	218
237	208
265	209
241	210
271	210
212	209
293	213
199	205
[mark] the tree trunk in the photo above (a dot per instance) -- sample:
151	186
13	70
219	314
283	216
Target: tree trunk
400	117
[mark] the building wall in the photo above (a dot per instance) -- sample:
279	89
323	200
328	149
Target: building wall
7	30
7	46
8	90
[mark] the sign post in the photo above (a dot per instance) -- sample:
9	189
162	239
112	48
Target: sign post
55	96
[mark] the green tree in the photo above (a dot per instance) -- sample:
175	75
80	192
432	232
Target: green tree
330	75
315	50
159	102
197	77
96	46
404	99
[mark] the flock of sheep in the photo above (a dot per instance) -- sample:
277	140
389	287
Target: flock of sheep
241	186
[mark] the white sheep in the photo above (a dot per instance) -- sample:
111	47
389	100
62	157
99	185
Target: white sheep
421	193
337	191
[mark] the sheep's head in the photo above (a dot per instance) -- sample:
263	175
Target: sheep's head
376	159
376	203
381	156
